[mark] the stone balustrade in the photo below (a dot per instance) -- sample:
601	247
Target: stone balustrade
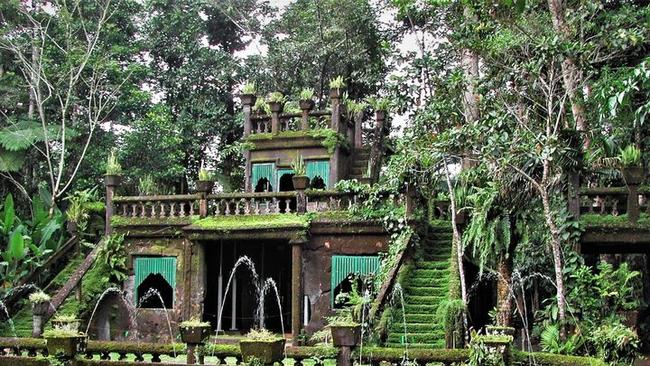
613	201
156	206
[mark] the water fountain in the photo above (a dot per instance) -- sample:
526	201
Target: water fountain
397	289
128	304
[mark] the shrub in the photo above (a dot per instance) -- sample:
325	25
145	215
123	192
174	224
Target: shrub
615	343
248	88
630	156
205	175
275	97
298	166
113	166
39	297
337	83
306	94
263	335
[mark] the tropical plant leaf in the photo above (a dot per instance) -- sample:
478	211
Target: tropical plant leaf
11	161
23	134
9	213
16	248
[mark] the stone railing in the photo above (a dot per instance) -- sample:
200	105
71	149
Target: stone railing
231	204
614	201
156	206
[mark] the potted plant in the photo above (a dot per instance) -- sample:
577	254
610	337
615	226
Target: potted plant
306	102
336	85
381	106
205	182
194	331
276	102
262	345
300	178
40	302
113	175
248	94
345	331
631	168
66	322
64	342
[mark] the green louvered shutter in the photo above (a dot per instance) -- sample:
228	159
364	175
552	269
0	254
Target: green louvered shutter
165	266
259	171
344	265
319	168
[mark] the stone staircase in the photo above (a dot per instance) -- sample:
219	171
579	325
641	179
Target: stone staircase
359	166
425	282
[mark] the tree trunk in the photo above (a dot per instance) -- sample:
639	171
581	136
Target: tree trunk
571	74
504	298
557	261
469	63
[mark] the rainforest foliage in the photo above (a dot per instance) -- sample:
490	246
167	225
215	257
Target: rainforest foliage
502	109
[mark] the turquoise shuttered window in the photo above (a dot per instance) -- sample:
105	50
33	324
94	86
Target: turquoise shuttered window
259	171
164	266
319	168
344	265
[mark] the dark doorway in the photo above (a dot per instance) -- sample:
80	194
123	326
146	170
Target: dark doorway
146	292
263	185
286	185
317	183
272	259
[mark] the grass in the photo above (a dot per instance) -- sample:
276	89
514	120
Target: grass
117	221
226	223
620	221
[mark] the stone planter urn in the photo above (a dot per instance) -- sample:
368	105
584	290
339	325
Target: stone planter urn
195	334
112	180
380	115
71	227
276	107
633	175
266	351
248	99
335	93
40	308
65	345
204	186
300	182
346	335
306	104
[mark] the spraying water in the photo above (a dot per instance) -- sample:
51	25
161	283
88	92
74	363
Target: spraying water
153	292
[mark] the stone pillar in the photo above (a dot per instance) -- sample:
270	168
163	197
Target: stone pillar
301	201
305	107
358	130
296	286
335	99
111	182
276	109
203	205
633	203
39	311
344	357
247	100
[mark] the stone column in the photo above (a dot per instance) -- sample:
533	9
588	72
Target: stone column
296	286
247	100
111	182
39	310
305	107
358	130
344	357
276	109
203	204
633	203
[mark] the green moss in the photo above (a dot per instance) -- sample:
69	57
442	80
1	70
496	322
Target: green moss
548	359
422	355
226	223
95	207
330	138
117	221
307	352
620	221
